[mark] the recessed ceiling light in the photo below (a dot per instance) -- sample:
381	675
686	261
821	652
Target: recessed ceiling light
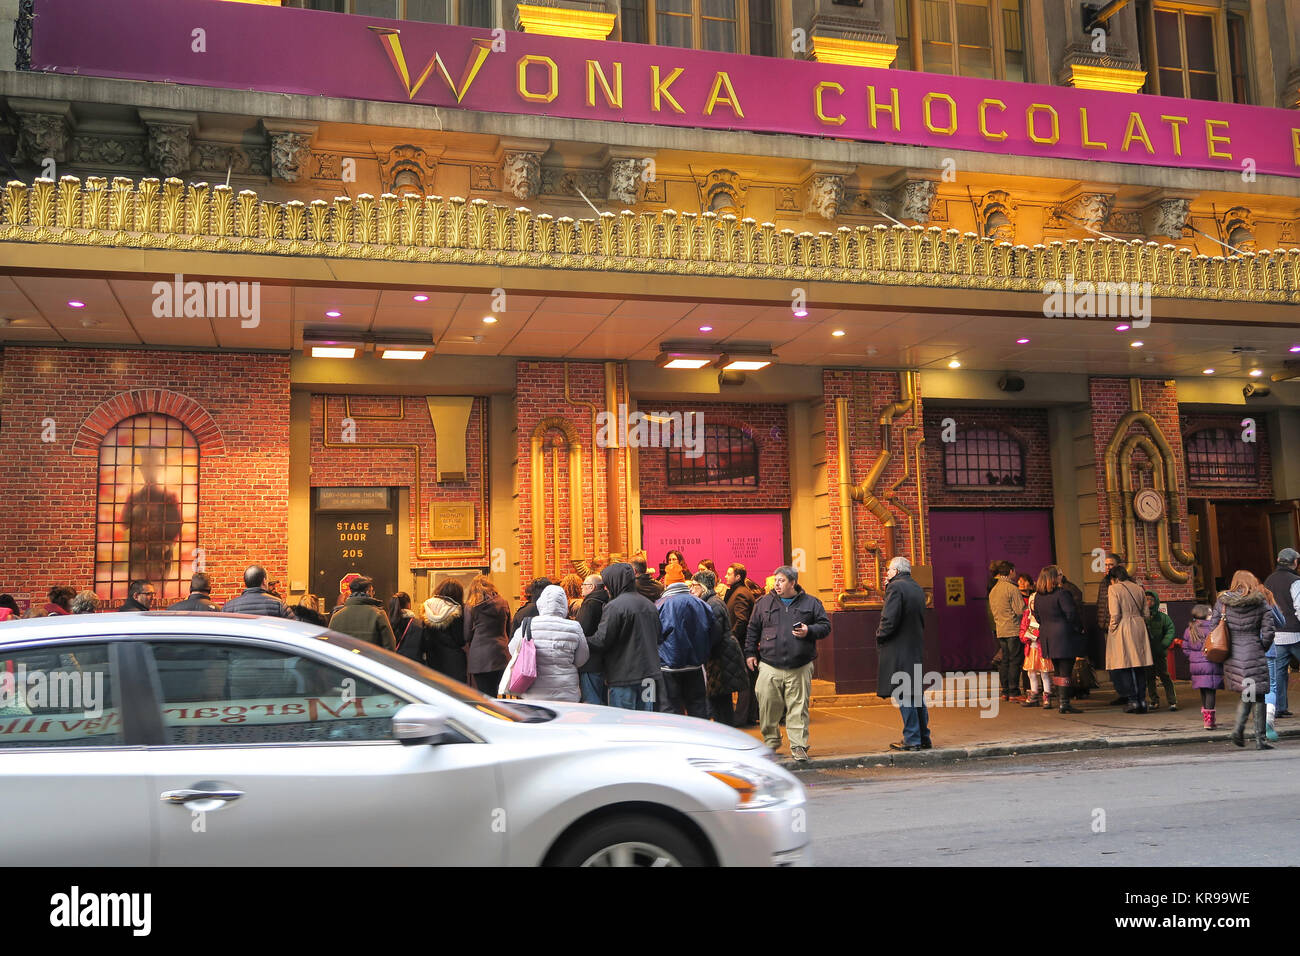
89	323
1136	344
1207	371
838	333
706	328
1256	372
420	298
800	313
332	351
489	320
77	304
333	313
954	364
1121	328
1295	348
1022	341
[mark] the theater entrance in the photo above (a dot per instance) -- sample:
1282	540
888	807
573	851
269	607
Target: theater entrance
354	532
963	544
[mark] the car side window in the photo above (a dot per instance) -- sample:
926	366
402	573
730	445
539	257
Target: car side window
229	693
61	695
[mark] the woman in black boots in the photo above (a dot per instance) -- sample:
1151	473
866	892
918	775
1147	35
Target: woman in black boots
1060	631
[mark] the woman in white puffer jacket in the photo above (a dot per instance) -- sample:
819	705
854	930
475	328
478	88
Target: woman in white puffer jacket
561	648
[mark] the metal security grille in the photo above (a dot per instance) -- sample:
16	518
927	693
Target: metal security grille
730	459
147	507
1217	456
984	458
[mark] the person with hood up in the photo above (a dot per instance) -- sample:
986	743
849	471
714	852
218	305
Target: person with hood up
628	637
436	637
560	645
362	616
1248	607
1207	676
592	609
1160	632
781	644
687	629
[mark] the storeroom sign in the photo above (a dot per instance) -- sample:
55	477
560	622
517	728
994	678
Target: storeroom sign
286	50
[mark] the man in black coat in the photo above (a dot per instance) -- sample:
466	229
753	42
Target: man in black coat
647	586
200	598
628	635
740	605
901	641
591	678
256	599
725	668
781	643
1284	583
139	596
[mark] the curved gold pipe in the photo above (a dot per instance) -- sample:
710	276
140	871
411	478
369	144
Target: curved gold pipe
920	498
581	546
1131	444
537	478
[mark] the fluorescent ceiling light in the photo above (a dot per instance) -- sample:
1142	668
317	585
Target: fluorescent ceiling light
686	363
746	365
407	354
333	351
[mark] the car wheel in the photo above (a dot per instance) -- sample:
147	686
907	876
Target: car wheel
629	841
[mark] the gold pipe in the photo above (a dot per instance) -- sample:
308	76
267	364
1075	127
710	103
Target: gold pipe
848	552
555	506
632	537
615	542
920	497
581	546
538	477
1131	444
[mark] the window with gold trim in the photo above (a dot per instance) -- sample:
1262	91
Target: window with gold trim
470	13
979	38
1195	51
723	26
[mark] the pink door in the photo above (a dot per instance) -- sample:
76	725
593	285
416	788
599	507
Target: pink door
963	544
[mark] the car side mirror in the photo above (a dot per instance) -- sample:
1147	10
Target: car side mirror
422	724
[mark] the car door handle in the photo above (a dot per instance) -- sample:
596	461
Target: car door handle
213	799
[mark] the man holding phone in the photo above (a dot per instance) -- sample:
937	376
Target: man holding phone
780	643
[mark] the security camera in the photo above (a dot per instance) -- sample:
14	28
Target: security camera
1255	390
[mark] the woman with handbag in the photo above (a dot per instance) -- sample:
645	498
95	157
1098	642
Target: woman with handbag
1128	651
559	648
1061	635
487	630
1247	608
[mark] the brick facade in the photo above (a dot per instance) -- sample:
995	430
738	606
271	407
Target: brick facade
1111	401
1027	425
388	420
1191	422
769	428
870	393
48	536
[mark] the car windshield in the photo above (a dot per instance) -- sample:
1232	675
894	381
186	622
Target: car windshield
462	692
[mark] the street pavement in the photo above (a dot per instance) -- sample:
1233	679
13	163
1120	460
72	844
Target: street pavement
1199	805
848	730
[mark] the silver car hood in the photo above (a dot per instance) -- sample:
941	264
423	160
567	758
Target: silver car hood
633	726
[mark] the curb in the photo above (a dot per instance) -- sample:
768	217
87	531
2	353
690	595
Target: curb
945	755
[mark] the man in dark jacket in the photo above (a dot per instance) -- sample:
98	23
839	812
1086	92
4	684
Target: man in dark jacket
628	635
646	586
686	625
740	605
139	596
363	617
256	599
725	669
200	598
533	592
780	642
900	639
1284	583
590	675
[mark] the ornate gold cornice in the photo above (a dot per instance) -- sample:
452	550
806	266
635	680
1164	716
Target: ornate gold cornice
170	215
565	22
1109	78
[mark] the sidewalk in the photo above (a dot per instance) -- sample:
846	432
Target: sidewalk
856	730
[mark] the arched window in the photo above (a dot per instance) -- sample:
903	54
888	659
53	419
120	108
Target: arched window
983	458
147	516
729	460
1218	456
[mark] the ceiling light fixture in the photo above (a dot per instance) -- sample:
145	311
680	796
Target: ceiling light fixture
954	364
77	304
1137	344
1121	328
745	361
1256	372
333	351
420	298
1295	348
681	355
801	313
406	354
489	320
838	333
706	328
1207	371
1022	341
333	314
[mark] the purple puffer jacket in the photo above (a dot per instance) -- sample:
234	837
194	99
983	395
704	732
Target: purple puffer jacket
1206	675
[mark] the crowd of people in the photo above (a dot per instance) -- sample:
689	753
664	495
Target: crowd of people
742	654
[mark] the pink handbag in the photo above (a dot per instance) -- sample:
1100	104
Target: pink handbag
523	671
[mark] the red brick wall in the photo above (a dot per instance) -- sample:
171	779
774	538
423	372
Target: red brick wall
394	419
871	392
48	535
767	424
1110	402
1191	422
1027	425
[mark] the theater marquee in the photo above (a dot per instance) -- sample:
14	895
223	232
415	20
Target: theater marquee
247	47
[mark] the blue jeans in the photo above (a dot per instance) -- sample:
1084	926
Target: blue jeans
593	688
916	725
1278	672
629	697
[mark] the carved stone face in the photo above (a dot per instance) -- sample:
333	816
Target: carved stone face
825	195
916	200
523	175
623	177
42	136
1091	208
288	153
169	148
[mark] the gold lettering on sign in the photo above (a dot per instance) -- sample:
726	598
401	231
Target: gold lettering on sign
730	99
984	119
891	109
661	88
1136	130
1083	127
552	75
838	118
928	104
1175	130
614	97
393	47
1030	116
1211	140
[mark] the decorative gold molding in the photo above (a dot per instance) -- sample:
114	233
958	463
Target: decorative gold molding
1109	78
853	52
536	477
170	215
565	22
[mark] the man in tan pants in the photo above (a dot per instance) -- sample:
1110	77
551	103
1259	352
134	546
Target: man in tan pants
781	643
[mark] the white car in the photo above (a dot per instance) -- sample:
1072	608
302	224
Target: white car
175	738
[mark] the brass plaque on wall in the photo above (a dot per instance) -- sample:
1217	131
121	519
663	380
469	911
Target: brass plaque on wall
451	522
